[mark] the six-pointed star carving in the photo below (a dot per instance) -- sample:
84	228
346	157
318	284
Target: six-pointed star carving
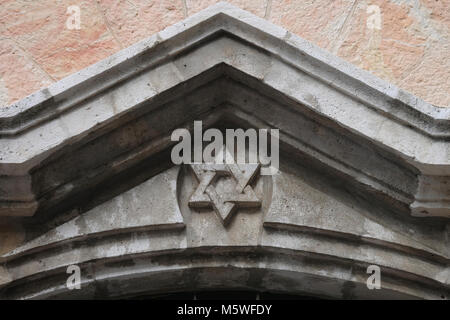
241	195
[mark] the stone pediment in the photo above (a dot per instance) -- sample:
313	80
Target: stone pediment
223	63
361	164
149	238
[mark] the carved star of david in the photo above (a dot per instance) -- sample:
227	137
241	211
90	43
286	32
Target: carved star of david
225	204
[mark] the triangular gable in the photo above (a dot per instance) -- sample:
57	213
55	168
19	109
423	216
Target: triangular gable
216	58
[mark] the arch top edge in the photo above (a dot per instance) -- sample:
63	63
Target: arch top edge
242	268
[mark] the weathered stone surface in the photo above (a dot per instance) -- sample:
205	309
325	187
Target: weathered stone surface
4	276
360	160
225	187
301	239
204	228
410	49
317	21
150	206
257	7
12	235
16	65
379	113
132	21
39	28
297	204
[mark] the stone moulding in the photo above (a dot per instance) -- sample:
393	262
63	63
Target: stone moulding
381	155
235	54
79	106
76	109
245	268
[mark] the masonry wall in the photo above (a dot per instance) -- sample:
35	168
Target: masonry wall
406	42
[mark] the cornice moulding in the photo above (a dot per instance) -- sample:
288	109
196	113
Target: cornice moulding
208	56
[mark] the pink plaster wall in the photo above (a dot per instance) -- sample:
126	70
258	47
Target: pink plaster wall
411	47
